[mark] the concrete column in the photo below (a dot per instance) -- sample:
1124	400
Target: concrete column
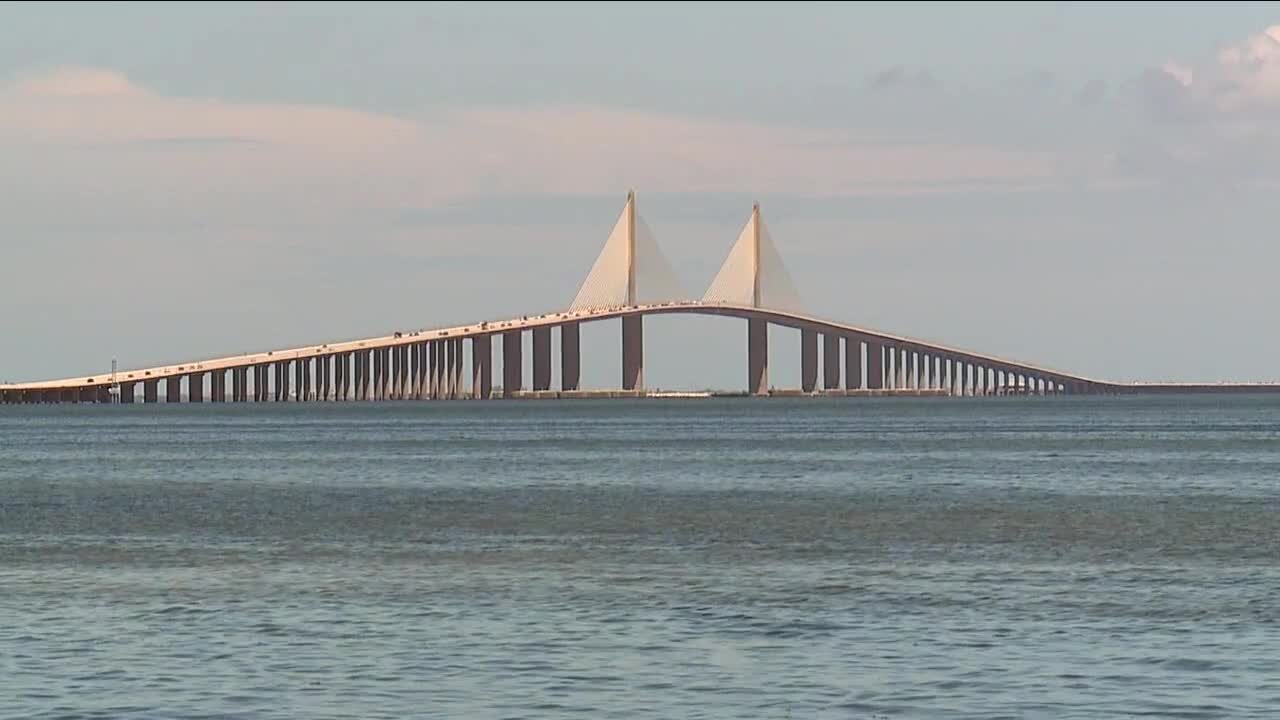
926	371
237	383
195	387
173	389
875	366
326	372
511	363
902	369
914	370
542	358
411	386
757	356
357	373
852	363
424	370
348	376
282	381
149	394
808	360
437	370
399	374
299	385
217	386
632	352
482	366
70	395
306	390
459	390
361	372
450	367
570	357
830	361
451	364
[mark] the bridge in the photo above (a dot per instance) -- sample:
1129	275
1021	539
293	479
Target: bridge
629	281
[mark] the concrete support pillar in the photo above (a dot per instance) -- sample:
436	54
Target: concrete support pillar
830	361
71	395
387	370
281	391
357	374
398	373
875	366
482	366
808	360
306	390
299	384
218	386
852	363
195	387
570	357
901	359
427	349
451	362
542	358
459	390
149	393
512	373
926	371
237	384
366	375
757	356
632	352
411	385
348	375
437	370
326	372
173	389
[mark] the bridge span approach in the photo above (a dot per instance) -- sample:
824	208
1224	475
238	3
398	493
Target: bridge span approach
629	281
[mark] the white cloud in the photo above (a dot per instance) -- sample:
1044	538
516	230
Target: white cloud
1217	122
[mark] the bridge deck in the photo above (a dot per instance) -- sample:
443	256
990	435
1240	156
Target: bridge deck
777	317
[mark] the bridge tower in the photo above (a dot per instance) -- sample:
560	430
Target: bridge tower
629	272
753	275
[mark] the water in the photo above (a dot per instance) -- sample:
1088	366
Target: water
844	558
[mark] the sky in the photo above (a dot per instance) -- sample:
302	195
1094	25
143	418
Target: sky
1089	187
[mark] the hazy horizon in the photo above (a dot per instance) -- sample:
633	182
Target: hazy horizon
1088	188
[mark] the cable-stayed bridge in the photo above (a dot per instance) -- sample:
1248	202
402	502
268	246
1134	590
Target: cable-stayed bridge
630	280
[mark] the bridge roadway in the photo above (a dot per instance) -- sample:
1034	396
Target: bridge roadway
428	364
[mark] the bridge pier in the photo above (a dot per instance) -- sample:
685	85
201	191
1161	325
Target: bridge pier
875	366
830	361
481	367
173	389
808	360
195	387
570	356
149	391
512	368
757	356
126	393
459	378
632	352
437	370
542	358
852	363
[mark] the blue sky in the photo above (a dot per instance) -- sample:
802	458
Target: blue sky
1084	186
